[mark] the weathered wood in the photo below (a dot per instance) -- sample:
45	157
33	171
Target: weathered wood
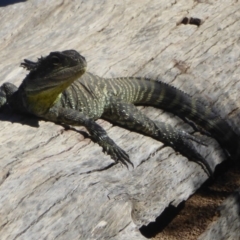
56	184
228	224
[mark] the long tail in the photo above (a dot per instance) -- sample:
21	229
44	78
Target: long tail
144	91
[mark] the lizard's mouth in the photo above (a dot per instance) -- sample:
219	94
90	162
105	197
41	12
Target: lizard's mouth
66	73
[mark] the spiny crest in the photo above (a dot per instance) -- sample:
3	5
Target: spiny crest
30	65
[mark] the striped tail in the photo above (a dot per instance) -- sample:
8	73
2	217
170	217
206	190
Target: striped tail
142	91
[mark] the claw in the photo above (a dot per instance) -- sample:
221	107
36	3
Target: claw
188	149
192	151
116	153
123	158
205	165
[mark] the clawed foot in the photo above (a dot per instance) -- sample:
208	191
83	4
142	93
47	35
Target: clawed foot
116	153
100	136
189	150
181	141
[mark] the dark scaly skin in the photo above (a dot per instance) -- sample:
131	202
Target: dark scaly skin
58	89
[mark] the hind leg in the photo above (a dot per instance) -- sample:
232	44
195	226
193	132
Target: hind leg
129	117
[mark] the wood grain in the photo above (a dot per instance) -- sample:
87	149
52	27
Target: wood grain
56	184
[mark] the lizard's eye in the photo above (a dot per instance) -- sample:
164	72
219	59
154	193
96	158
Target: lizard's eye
55	60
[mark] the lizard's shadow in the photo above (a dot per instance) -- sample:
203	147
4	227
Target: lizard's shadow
8	115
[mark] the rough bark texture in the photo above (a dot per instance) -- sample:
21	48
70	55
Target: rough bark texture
56	184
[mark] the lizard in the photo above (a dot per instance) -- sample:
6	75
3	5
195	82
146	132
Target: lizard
58	88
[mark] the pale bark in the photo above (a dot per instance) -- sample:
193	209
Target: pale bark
55	184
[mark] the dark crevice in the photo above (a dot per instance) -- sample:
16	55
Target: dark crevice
153	228
171	212
43	214
120	230
3	225
99	170
5	176
153	154
4	3
35	221
35	188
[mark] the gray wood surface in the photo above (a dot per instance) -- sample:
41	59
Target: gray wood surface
56	184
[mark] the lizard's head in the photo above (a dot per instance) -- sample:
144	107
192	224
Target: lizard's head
49	77
54	73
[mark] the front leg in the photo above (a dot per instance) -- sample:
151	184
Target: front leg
76	118
6	92
128	116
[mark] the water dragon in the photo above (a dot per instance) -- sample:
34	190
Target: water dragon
59	89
